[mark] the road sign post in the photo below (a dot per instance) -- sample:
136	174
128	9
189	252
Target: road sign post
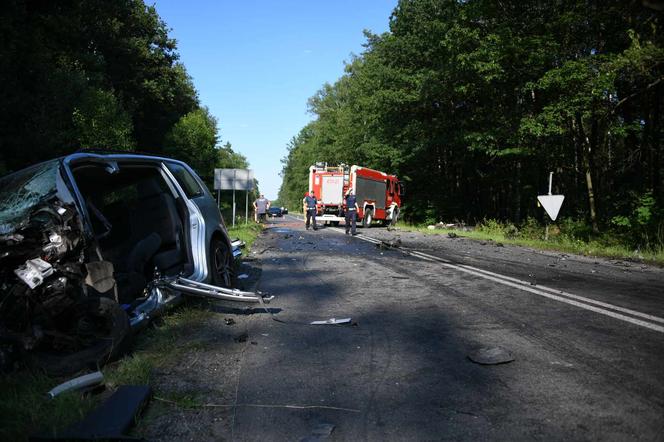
551	204
234	179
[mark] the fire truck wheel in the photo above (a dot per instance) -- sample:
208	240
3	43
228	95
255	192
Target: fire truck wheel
368	217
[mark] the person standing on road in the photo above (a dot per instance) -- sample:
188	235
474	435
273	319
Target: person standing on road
309	207
260	208
351	211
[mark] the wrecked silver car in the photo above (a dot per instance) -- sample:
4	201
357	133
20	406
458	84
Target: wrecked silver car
93	245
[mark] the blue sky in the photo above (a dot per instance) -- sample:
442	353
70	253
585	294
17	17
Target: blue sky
255	64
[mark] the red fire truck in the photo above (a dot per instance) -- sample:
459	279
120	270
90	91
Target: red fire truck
378	194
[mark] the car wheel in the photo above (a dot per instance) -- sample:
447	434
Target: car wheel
221	263
368	218
101	326
335	223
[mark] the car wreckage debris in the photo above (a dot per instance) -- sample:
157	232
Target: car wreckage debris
200	289
109	421
491	356
332	321
79	383
75	261
34	271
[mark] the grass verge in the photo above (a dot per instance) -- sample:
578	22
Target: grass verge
245	232
560	240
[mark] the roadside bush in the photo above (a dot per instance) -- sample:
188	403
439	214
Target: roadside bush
573	230
531	229
494	227
643	225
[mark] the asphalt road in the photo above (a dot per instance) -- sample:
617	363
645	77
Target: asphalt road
586	336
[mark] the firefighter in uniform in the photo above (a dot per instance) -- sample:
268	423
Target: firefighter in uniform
309	207
351	211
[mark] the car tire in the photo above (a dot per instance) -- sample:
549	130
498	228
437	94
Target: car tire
335	223
221	263
368	218
113	342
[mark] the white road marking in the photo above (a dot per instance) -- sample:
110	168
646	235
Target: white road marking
600	307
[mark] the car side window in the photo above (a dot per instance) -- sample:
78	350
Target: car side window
186	180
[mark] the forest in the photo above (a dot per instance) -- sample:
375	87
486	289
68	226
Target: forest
96	74
473	103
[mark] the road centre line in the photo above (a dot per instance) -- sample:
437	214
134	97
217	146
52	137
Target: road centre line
547	292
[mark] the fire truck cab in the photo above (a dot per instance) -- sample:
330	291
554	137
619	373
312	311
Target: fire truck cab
378	194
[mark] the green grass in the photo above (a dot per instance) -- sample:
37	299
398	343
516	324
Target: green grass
562	238
246	232
25	409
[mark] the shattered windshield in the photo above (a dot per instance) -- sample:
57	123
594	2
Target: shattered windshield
22	190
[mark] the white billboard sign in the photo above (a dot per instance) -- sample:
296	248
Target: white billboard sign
233	179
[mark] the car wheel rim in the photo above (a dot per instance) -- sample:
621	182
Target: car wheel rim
221	266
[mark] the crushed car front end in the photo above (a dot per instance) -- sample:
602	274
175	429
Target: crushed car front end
92	245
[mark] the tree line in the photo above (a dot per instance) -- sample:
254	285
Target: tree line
472	103
99	74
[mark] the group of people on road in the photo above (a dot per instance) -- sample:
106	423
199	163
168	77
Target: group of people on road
262	204
309	208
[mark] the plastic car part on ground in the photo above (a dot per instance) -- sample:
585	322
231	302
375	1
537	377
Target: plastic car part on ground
332	321
491	356
110	420
87	380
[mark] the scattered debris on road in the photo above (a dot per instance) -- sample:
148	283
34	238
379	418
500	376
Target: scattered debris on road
242	337
229	321
491	356
391	244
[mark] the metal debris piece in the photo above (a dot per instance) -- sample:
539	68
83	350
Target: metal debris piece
491	356
78	383
332	321
237	243
34	271
229	321
200	289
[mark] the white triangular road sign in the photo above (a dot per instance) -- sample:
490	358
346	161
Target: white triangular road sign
551	204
